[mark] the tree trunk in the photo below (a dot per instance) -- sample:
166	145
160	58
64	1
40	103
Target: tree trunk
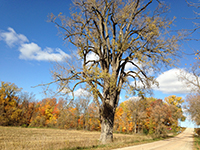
135	126
107	122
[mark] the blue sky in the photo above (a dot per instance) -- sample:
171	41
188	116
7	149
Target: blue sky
29	44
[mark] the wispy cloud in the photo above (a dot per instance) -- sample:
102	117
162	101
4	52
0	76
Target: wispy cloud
12	38
31	51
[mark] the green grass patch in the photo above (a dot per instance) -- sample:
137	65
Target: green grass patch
197	143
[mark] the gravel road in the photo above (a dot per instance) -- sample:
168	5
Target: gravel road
183	141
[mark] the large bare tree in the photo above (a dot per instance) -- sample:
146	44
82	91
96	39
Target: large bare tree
128	41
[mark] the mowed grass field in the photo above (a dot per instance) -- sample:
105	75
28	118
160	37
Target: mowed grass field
17	138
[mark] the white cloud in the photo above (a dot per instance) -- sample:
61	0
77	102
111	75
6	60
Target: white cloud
169	82
135	98
65	91
77	93
81	92
92	56
32	51
129	66
12	38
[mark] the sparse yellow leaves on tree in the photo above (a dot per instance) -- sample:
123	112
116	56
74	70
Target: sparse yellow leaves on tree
174	100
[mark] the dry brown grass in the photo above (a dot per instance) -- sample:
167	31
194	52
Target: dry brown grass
16	138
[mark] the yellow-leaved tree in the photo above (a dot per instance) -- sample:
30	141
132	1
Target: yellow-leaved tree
9	101
175	104
174	100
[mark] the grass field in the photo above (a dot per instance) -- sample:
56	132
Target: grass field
17	138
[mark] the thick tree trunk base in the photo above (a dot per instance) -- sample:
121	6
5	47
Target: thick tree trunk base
106	133
107	128
107	114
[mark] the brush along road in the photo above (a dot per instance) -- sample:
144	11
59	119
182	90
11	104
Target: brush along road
183	141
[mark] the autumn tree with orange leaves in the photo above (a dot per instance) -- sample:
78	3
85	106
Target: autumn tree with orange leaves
159	117
46	113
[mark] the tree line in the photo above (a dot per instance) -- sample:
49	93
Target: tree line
135	115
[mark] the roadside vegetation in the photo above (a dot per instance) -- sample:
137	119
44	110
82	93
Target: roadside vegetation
197	139
193	109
